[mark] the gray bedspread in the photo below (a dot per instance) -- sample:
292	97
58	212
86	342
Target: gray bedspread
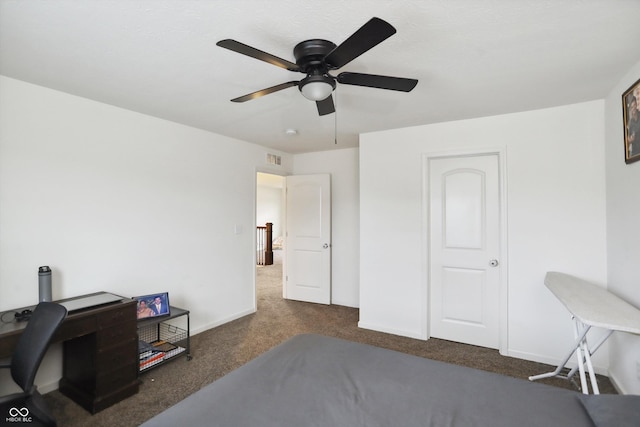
312	380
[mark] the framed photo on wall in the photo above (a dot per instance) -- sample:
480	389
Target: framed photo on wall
631	120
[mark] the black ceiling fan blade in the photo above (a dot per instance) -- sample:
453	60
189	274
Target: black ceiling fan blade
326	106
263	92
381	82
244	49
369	35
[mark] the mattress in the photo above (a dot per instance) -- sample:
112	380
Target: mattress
313	380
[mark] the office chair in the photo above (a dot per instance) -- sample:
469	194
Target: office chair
30	350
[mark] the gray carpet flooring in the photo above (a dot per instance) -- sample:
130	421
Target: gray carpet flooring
223	349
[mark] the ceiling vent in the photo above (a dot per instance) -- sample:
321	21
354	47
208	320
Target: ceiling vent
273	159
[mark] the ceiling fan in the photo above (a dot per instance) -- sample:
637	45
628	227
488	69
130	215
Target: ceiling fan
317	57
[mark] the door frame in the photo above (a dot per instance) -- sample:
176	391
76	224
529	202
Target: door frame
503	314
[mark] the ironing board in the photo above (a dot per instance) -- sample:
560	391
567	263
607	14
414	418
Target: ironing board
590	306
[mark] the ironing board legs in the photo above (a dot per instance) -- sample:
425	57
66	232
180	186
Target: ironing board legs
593	350
583	354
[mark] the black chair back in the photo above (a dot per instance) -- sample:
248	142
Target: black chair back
34	341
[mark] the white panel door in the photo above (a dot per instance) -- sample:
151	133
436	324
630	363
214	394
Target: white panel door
464	197
307	266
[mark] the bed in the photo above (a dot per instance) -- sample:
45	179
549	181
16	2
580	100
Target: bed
313	380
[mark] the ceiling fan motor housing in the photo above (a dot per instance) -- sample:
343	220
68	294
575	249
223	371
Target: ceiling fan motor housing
310	55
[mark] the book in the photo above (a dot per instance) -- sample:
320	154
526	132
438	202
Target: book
144	346
156	351
174	352
164	346
152	360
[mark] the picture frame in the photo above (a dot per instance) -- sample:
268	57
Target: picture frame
631	121
147	307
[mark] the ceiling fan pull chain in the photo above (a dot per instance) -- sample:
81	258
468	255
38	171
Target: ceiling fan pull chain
335	118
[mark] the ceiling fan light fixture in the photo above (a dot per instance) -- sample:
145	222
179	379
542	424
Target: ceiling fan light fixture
317	87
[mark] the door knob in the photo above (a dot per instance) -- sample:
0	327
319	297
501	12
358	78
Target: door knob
494	263
325	246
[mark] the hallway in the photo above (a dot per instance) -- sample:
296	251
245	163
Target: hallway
269	281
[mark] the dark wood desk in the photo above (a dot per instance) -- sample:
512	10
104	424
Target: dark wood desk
100	361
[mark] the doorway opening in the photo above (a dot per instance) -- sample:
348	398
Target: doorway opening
270	209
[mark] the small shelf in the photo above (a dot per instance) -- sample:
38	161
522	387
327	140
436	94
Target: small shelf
161	340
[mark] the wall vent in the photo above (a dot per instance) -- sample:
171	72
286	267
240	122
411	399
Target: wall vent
274	159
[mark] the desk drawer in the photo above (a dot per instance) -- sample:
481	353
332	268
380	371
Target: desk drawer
113	357
76	326
108	382
107	319
116	334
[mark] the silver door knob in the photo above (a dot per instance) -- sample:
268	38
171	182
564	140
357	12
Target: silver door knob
325	246
494	263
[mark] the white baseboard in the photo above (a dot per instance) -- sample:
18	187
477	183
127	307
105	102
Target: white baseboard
344	304
616	384
222	321
551	361
48	387
408	334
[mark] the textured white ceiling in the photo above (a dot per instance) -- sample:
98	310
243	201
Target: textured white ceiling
472	58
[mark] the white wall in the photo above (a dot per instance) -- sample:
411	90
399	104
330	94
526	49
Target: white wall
122	202
115	200
623	235
555	213
342	165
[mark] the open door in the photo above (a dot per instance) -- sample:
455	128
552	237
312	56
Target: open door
307	261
